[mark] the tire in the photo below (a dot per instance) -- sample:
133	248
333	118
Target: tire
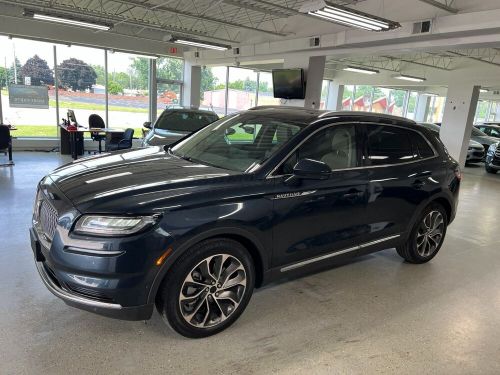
424	243
192	301
490	170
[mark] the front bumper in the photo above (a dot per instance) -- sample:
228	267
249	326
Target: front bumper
108	292
112	310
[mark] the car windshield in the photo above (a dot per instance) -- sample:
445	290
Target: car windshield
239	143
186	121
478	133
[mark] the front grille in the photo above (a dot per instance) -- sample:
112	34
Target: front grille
48	219
497	153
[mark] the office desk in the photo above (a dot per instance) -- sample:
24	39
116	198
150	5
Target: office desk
80	130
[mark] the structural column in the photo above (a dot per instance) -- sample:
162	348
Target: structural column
314	68
335	96
458	119
422	107
192	85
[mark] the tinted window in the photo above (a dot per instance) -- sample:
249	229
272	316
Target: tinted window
184	120
494	132
424	150
335	146
388	145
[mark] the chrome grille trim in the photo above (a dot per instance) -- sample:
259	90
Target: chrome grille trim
48	219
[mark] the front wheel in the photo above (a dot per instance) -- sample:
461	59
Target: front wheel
490	170
207	289
427	235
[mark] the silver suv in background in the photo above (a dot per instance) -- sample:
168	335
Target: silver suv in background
175	123
475	152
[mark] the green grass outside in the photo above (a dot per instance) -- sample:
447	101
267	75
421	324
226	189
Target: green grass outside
35	131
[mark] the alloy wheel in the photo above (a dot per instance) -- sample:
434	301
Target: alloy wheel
212	290
430	233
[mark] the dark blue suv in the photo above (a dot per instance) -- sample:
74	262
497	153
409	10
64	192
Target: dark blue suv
263	194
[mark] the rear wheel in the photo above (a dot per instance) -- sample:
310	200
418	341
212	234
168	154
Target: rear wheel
426	236
207	289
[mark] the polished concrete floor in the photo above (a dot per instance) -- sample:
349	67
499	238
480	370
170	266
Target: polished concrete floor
375	315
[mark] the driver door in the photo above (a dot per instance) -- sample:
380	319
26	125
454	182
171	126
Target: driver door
318	217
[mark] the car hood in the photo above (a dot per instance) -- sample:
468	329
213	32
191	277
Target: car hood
484	140
475	144
132	181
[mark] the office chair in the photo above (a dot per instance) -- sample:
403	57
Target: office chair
96	121
124	143
6	144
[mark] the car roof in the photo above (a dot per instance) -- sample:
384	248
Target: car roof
312	115
190	110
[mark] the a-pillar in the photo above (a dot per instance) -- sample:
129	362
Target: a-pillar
192	85
314	68
335	96
458	119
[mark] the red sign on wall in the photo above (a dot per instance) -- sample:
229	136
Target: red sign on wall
172	50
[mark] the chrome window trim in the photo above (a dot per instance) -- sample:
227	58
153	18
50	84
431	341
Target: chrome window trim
336	253
436	154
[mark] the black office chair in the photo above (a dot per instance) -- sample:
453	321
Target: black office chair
6	144
124	143
96	121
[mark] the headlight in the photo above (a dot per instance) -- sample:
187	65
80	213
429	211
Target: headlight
113	225
493	147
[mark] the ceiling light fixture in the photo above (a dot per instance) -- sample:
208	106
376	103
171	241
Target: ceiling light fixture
67	20
405	77
134	54
361	70
350	17
197	43
483	91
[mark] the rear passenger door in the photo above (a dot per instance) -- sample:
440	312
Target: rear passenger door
401	168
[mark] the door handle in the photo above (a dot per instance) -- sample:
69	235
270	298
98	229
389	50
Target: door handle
418	184
352	195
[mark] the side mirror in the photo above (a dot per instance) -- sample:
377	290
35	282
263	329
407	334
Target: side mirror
147	125
308	169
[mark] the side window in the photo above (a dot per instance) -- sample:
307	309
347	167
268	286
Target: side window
420	144
388	145
494	133
335	146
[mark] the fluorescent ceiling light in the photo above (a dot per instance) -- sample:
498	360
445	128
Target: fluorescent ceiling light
405	77
350	17
195	43
135	54
67	20
361	70
483	91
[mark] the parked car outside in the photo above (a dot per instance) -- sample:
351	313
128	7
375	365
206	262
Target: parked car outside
269	193
492	162
475	151
491	129
175	123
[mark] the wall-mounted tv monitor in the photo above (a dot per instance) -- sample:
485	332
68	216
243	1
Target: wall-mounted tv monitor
289	83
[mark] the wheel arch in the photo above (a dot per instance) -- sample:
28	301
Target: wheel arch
246	238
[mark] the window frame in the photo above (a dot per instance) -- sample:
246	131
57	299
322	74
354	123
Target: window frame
361	135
